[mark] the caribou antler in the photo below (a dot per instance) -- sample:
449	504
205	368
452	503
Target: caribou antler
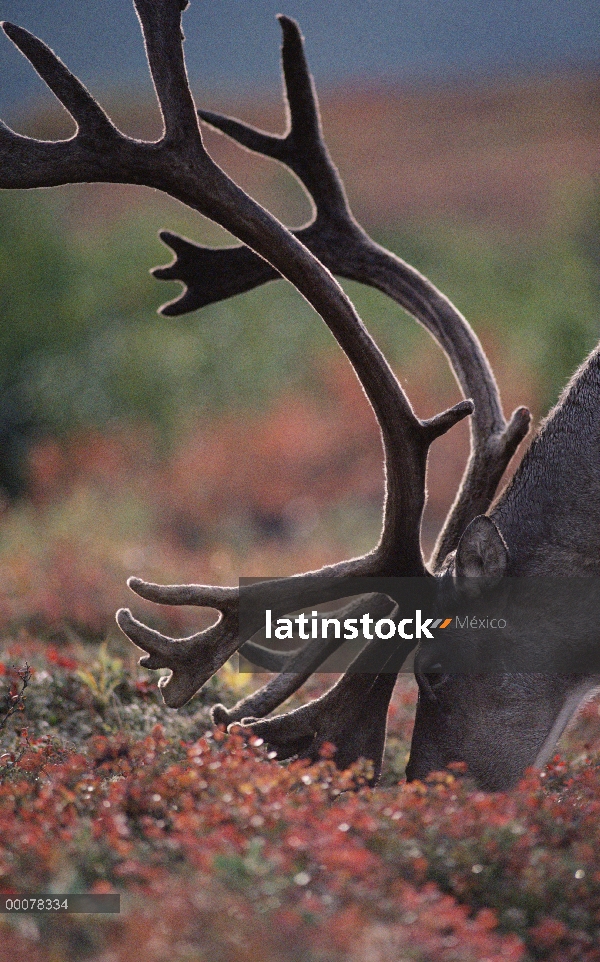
340	243
179	165
335	237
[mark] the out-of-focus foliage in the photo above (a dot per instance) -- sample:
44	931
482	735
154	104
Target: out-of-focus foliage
81	344
220	852
263	493
533	296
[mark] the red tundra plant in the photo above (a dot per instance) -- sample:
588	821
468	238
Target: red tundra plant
224	854
220	852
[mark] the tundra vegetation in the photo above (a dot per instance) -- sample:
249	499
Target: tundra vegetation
219	852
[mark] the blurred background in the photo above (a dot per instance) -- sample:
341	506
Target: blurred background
235	440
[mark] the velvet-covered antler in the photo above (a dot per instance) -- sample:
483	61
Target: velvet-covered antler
179	165
335	237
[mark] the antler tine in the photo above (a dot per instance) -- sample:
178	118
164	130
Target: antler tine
64	85
188	672
301	148
163	36
195	659
216	644
340	243
98	151
352	716
212	274
31	163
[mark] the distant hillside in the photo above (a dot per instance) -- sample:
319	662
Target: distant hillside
481	153
233	45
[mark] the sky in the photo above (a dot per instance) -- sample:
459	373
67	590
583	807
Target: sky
233	44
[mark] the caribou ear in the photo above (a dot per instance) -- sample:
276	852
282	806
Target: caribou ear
481	554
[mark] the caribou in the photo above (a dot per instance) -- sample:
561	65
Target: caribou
497	724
